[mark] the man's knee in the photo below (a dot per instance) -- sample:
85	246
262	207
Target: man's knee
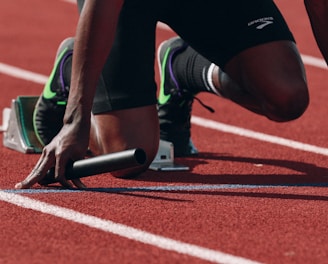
288	105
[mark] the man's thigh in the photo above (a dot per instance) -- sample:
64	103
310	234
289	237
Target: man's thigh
127	79
219	30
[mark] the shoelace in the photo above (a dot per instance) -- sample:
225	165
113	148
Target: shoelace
185	95
204	105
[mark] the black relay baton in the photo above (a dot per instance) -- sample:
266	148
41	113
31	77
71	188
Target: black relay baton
100	164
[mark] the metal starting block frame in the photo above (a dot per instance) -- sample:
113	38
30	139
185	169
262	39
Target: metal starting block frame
19	135
164	160
18	131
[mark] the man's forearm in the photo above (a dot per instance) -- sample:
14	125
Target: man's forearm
93	41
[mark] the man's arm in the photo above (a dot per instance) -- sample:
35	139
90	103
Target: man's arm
93	41
94	38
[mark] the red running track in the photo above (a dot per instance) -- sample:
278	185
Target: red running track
256	193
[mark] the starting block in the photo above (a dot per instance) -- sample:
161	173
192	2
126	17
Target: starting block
164	160
18	125
18	134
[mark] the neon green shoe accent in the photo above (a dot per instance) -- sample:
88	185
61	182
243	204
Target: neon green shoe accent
47	93
163	98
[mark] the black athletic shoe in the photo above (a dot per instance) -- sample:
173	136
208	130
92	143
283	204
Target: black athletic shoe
174	102
50	108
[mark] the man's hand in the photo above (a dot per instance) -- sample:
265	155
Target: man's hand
69	145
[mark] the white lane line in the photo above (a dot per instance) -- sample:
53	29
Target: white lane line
70	1
22	74
313	61
170	188
124	231
257	135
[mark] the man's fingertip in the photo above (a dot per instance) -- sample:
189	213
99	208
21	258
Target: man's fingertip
19	185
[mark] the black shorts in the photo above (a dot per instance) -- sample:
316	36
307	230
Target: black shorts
217	29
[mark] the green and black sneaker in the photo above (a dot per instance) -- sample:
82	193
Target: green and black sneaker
174	102
51	105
